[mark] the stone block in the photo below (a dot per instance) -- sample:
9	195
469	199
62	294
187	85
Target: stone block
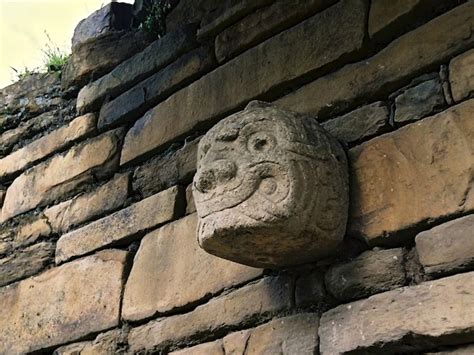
171	256
82	208
62	174
135	102
167	170
130	72
41	148
447	248
279	60
419	173
419	101
461	76
122	225
27	262
371	272
31	231
263	23
417	51
62	304
110	342
408	319
192	11
263	299
360	124
190	205
212	348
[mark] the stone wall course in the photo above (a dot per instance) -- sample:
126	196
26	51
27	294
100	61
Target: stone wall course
111	342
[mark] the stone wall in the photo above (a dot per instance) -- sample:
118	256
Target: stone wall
98	249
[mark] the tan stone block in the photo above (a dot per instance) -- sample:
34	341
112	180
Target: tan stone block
190	206
263	298
105	343
171	256
407	319
29	232
45	146
107	197
461	75
414	52
212	348
283	58
420	172
62	174
121	225
63	304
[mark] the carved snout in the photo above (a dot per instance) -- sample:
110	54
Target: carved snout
218	172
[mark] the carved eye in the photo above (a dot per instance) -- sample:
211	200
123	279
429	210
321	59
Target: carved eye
261	142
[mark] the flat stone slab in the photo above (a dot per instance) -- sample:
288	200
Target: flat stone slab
62	304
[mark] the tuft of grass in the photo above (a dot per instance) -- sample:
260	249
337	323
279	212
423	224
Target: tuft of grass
154	22
23	73
54	58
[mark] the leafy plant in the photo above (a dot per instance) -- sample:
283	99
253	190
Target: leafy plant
154	20
23	73
54	58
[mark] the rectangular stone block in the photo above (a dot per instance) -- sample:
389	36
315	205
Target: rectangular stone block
122	225
419	173
190	205
46	145
439	314
143	96
282	59
430	44
54	178
263	298
461	75
447	248
130	72
171	256
62	304
80	209
110	342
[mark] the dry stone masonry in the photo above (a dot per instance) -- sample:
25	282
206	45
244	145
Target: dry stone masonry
345	202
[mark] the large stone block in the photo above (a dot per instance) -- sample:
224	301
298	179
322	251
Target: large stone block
371	272
122	225
62	304
419	173
418	50
263	299
45	146
80	209
63	173
282	59
253	169
110	342
171	256
447	248
158	54
461	75
404	320
135	102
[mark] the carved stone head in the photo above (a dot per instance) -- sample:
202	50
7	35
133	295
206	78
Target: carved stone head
271	188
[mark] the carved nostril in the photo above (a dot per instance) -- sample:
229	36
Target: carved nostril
224	170
206	181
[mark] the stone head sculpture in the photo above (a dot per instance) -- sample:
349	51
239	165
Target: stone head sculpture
271	189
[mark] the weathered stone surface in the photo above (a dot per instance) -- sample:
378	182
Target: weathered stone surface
63	304
371	272
438	315
158	54
80	209
93	58
193	11
190	205
171	256
134	103
29	232
63	173
447	248
262	24
253	169
106	343
420	172
167	170
27	262
434	42
263	298
360	124
114	16
461	75
45	146
212	348
310	289
279	60
122	225
419	101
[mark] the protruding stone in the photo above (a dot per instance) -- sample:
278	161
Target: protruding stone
254	167
447	248
461	75
62	304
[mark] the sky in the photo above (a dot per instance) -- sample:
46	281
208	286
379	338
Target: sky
22	30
